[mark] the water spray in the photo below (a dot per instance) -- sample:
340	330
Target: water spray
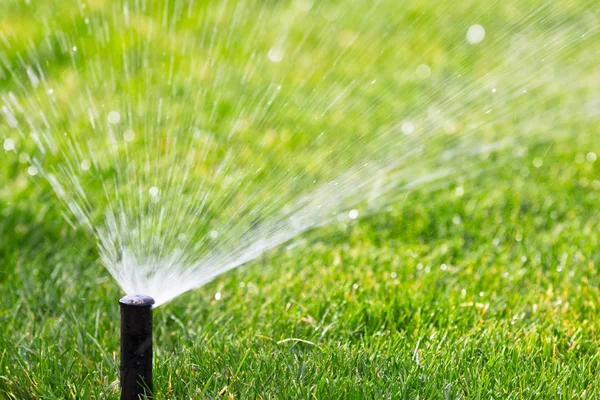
136	346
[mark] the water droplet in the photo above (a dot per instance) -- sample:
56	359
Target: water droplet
114	117
538	162
153	191
423	71
33	78
276	54
444	267
494	90
408	128
9	144
24	158
475	34
85	165
214	234
74	48
459	191
591	157
32	170
355	286
218	296
128	135
353	214
393	275
456	220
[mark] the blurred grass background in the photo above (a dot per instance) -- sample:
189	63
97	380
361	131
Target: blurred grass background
487	287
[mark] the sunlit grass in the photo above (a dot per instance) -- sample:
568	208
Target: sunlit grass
484	286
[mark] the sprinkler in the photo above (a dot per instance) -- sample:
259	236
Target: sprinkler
136	347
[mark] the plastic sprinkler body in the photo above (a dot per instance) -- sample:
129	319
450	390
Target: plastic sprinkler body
136	347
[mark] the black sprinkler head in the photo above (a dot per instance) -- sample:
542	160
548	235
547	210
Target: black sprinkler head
136	346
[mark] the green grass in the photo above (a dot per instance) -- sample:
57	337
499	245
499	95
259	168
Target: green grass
504	317
493	293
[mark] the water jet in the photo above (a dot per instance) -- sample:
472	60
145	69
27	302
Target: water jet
136	346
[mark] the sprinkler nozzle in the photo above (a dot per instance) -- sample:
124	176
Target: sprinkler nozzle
136	346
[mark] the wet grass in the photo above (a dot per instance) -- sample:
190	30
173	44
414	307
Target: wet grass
485	288
493	293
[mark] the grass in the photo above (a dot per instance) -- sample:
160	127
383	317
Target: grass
484	288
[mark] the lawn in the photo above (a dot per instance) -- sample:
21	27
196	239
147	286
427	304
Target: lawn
481	284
